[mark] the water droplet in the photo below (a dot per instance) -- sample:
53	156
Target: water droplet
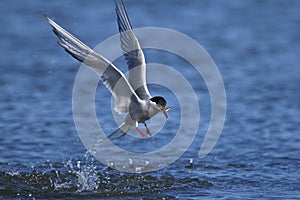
78	164
138	169
130	161
190	165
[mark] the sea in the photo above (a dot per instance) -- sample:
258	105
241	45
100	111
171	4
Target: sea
253	43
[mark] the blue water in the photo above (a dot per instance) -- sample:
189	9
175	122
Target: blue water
255	44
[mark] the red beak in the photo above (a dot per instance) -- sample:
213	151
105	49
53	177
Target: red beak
165	112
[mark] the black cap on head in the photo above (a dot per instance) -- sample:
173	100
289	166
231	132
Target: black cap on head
159	100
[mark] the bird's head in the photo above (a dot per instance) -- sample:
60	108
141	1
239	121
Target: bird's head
161	104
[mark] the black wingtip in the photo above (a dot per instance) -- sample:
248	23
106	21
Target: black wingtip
46	17
117	1
122	16
56	32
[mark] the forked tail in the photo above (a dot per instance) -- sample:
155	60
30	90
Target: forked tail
123	129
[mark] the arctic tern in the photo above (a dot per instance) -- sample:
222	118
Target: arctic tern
132	95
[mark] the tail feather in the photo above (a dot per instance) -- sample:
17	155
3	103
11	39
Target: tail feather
123	128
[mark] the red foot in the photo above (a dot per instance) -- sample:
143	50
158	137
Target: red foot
141	132
148	131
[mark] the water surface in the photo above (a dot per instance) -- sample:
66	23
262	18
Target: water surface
256	47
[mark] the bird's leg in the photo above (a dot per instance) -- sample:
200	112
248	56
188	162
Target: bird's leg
147	129
139	130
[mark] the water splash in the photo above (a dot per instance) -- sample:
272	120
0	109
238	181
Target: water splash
86	174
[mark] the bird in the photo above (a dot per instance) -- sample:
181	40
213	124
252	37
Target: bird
131	95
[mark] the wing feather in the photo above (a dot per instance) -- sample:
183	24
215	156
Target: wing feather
113	78
132	52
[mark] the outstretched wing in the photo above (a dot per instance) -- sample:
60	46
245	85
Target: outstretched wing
113	78
132	52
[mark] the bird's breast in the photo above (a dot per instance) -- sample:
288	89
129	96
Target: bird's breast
142	113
